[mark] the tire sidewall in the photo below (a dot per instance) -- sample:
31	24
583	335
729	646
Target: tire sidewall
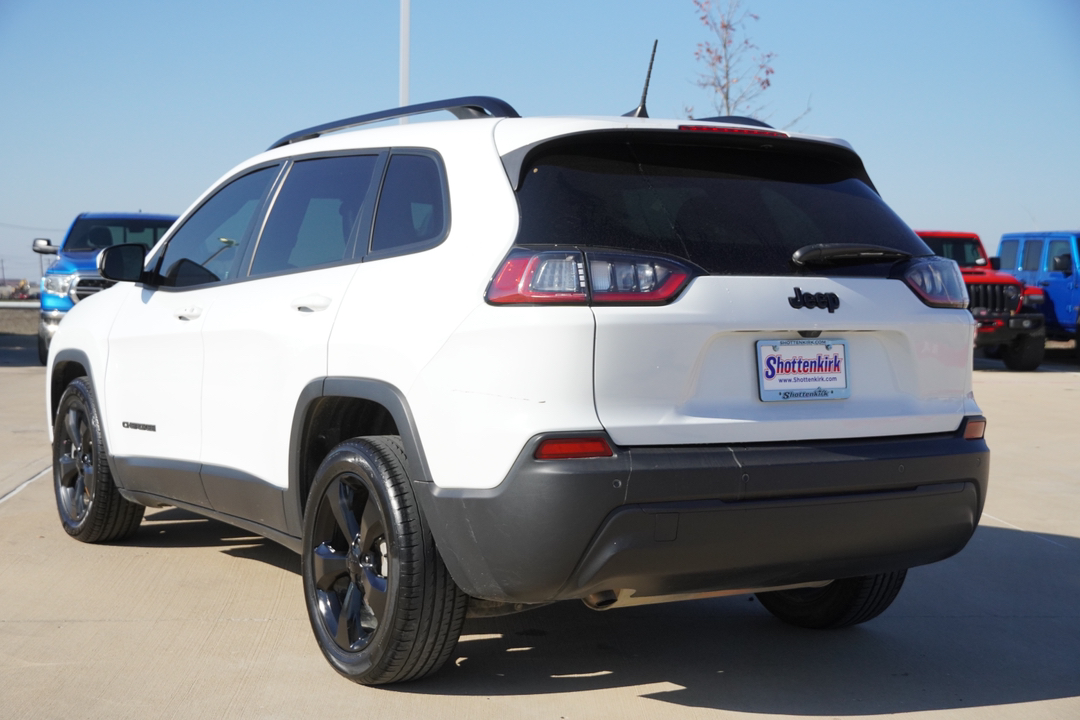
359	461
78	394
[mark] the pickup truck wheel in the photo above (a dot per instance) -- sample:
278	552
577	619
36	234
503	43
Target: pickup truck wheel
382	605
1025	353
839	604
42	351
91	508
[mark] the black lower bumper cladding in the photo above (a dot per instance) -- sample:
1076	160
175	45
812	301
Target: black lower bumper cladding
669	520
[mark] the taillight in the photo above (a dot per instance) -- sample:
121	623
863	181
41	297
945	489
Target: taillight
937	281
613	278
540	277
571	448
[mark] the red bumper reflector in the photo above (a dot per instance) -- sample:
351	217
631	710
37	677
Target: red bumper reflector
565	448
975	429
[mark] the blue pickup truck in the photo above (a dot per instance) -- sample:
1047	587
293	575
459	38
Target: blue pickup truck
74	276
1049	261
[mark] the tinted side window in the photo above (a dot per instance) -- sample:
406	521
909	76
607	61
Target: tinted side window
1007	253
314	214
1032	255
411	205
1057	247
206	248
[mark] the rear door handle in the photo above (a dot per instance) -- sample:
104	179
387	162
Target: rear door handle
189	313
311	303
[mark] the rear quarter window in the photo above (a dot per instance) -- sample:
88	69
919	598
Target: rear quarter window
1032	255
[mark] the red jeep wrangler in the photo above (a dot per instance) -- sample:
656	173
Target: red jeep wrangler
1009	324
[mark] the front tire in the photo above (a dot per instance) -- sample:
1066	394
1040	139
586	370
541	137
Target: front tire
839	604
1025	353
382	605
91	508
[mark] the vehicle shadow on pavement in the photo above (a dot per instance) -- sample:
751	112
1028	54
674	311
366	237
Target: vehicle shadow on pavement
18	350
176	528
997	624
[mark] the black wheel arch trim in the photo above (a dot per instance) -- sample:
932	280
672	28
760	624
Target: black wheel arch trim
376	391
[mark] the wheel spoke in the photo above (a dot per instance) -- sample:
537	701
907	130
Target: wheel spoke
371	525
328	566
71	425
340	499
69	471
352	607
374	595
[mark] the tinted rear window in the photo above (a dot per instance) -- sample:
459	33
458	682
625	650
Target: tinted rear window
732	211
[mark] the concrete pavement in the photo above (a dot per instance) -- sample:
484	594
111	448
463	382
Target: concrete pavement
192	618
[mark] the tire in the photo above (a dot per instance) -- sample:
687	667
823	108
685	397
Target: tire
382	604
42	351
839	604
993	352
1025	353
91	508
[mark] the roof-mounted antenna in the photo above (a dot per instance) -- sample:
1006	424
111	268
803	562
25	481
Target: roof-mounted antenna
640	111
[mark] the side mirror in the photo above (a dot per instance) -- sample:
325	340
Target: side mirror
995	263
123	263
45	246
1063	263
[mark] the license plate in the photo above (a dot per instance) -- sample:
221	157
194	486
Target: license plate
803	369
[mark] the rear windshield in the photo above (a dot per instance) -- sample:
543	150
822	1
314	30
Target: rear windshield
731	211
964	251
99	233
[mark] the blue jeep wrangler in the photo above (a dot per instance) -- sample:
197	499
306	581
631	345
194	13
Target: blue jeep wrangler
1048	260
74	275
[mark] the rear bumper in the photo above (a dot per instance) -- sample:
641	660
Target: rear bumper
701	518
995	329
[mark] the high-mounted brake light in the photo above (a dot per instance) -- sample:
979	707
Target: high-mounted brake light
529	276
572	448
733	130
937	281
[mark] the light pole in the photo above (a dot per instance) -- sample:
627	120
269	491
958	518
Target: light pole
403	63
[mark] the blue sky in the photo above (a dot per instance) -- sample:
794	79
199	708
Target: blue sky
966	112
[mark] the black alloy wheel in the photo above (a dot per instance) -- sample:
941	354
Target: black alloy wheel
381	603
90	506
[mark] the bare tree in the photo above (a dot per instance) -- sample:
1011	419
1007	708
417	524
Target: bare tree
736	72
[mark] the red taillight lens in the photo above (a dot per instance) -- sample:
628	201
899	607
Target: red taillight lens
539	277
975	429
733	130
937	281
530	276
567	448
634	280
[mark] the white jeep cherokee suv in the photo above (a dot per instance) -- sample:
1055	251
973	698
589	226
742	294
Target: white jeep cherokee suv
471	367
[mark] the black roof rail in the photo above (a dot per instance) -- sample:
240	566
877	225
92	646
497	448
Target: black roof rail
473	106
736	120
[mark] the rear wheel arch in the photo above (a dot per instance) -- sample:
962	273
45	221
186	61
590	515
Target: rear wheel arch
331	410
